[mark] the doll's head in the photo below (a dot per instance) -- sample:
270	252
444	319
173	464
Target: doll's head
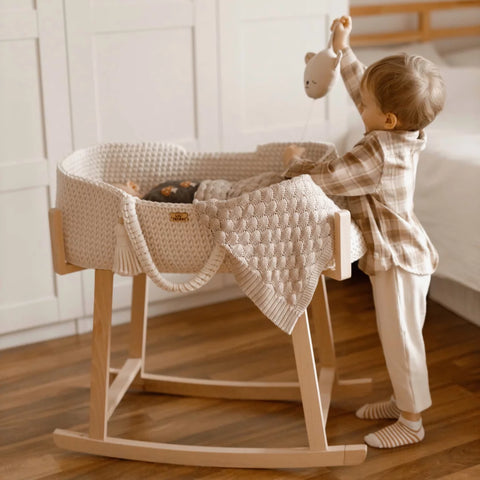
407	91
321	72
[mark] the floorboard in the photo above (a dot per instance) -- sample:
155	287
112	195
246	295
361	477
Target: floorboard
45	386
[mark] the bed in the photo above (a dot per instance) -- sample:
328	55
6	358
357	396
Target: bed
447	199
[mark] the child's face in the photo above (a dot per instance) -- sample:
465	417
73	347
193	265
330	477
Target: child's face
373	118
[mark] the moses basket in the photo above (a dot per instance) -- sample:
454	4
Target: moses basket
166	237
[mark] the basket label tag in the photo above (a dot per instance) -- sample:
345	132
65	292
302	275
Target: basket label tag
179	217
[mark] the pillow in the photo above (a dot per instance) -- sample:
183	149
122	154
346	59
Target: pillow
173	191
469	57
369	55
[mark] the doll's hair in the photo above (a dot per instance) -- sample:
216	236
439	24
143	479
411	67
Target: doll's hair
409	86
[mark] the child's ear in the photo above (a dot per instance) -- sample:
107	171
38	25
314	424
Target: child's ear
391	121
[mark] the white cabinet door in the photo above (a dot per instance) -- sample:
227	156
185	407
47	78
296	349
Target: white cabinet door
34	135
143	70
262	48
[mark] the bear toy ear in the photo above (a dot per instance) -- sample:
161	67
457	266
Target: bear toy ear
309	56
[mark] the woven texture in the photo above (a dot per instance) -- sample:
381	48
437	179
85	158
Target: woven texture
278	240
92	207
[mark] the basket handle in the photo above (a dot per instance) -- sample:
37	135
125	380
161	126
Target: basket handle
140	247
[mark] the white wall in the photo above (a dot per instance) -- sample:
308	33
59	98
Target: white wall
210	75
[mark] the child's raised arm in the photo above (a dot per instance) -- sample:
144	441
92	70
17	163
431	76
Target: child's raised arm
341	28
352	70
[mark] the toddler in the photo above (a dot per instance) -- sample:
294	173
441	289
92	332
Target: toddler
397	97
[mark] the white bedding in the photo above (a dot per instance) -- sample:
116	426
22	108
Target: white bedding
447	202
447	199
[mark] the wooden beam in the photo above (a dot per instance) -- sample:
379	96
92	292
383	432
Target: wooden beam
211	456
138	322
99	376
60	264
202	387
385	38
315	420
455	32
342	247
122	382
423	33
412	7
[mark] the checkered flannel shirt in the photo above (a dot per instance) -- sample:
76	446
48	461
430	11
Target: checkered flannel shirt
377	179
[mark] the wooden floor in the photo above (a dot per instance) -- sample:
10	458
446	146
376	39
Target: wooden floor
45	386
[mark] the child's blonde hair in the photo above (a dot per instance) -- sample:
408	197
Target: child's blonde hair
409	86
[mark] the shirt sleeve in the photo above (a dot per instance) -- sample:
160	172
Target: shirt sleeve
358	172
352	71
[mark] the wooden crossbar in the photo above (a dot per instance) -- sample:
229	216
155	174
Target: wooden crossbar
424	31
60	265
122	382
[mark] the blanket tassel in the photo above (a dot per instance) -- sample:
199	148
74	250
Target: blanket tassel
124	260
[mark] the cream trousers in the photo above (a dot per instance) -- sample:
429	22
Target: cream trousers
400	304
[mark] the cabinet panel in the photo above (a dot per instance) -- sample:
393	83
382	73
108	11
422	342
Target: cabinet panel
34	136
145	85
16	4
272	72
143	71
21	121
262	49
24	274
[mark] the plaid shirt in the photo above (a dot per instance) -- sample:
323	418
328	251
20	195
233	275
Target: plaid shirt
377	179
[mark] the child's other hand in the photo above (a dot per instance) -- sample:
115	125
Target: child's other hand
341	28
290	152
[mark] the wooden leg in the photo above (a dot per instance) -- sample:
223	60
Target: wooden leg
99	382
325	345
322	326
138	323
104	400
308	380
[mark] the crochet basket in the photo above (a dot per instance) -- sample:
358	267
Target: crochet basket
166	237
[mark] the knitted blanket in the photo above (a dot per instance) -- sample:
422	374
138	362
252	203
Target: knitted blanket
277	238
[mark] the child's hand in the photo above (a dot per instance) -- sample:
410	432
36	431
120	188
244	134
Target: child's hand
341	28
290	152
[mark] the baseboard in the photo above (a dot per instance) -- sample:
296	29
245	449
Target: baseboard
456	297
84	325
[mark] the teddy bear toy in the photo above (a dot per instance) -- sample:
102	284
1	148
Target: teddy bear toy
321	71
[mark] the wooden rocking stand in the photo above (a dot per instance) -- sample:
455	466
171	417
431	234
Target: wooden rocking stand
313	389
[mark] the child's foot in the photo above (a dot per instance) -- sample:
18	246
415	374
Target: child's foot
376	411
402	432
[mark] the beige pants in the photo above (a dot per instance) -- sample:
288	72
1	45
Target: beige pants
400	306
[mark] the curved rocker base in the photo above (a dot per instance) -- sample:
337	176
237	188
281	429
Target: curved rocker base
211	456
314	387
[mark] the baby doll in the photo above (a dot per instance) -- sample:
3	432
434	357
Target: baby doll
397	97
130	187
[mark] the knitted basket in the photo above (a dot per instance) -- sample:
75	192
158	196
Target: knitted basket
166	237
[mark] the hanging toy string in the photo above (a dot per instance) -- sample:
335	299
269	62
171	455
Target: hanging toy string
305	128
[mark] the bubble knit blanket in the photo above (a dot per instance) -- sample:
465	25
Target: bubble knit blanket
278	239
